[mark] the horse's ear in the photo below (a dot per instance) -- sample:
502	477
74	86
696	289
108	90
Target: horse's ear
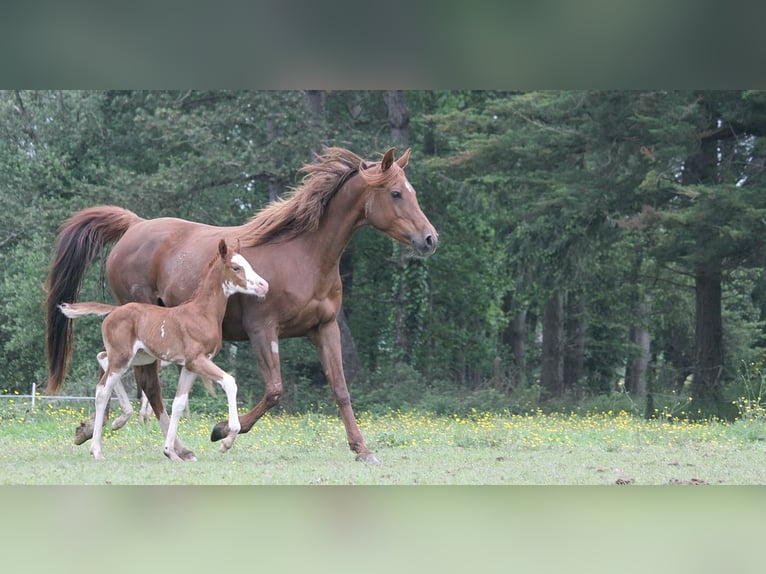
402	161
222	249
388	160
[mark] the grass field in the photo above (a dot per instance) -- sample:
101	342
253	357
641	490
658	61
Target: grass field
36	447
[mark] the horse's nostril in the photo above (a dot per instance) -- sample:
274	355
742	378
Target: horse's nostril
429	240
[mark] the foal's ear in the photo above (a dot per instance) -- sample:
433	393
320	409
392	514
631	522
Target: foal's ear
222	249
388	160
402	161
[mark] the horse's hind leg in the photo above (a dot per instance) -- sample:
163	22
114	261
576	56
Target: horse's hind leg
185	381
122	396
103	394
146	409
84	431
127	408
148	379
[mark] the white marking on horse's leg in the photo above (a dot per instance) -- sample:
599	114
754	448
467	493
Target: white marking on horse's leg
102	362
103	392
179	404
162	330
185	381
230	388
275	347
145	411
127	408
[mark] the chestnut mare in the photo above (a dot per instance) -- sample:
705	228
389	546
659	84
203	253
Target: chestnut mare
295	244
188	335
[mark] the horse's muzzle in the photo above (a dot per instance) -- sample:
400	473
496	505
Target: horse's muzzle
427	244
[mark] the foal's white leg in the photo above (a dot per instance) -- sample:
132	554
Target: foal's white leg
119	390
230	388
103	392
185	381
127	408
145	413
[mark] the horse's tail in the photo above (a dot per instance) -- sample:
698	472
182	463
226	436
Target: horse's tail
75	310
80	239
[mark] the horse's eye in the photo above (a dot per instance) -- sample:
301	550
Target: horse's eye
396	194
236	269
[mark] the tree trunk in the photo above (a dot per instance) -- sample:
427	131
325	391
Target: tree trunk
399	126
574	350
398	117
635	377
708	332
552	361
708	367
515	337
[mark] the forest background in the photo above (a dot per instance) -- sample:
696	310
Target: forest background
599	250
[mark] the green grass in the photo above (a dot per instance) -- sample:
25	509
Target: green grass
36	447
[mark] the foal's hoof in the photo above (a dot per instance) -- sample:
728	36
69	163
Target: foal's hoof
368	457
183	456
220	430
83	432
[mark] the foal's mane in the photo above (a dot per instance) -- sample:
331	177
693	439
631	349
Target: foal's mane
203	277
301	209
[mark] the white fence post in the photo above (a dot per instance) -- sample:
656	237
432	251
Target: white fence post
34	388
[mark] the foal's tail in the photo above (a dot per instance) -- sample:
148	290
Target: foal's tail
80	239
75	310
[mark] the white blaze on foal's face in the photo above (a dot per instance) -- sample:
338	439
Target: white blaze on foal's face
255	284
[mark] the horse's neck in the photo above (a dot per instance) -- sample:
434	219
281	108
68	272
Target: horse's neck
343	216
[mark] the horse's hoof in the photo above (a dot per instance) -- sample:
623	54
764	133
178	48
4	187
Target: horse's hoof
119	422
368	457
228	442
185	454
171	454
84	432
220	431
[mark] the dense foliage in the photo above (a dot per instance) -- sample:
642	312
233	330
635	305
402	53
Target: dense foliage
595	246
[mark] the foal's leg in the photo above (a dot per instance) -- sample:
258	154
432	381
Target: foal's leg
146	409
122	396
185	381
266	349
127	408
207	369
103	393
148	379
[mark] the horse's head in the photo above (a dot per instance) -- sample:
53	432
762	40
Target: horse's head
238	274
392	205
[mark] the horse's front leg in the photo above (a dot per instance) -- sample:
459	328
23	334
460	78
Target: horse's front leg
326	338
147	377
266	348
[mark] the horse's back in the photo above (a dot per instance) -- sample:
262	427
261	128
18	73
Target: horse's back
160	261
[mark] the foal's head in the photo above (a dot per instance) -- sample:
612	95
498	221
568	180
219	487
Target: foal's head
238	275
393	207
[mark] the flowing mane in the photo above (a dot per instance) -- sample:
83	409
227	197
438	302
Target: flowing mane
301	209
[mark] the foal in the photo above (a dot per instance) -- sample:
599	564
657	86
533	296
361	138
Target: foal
188	335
